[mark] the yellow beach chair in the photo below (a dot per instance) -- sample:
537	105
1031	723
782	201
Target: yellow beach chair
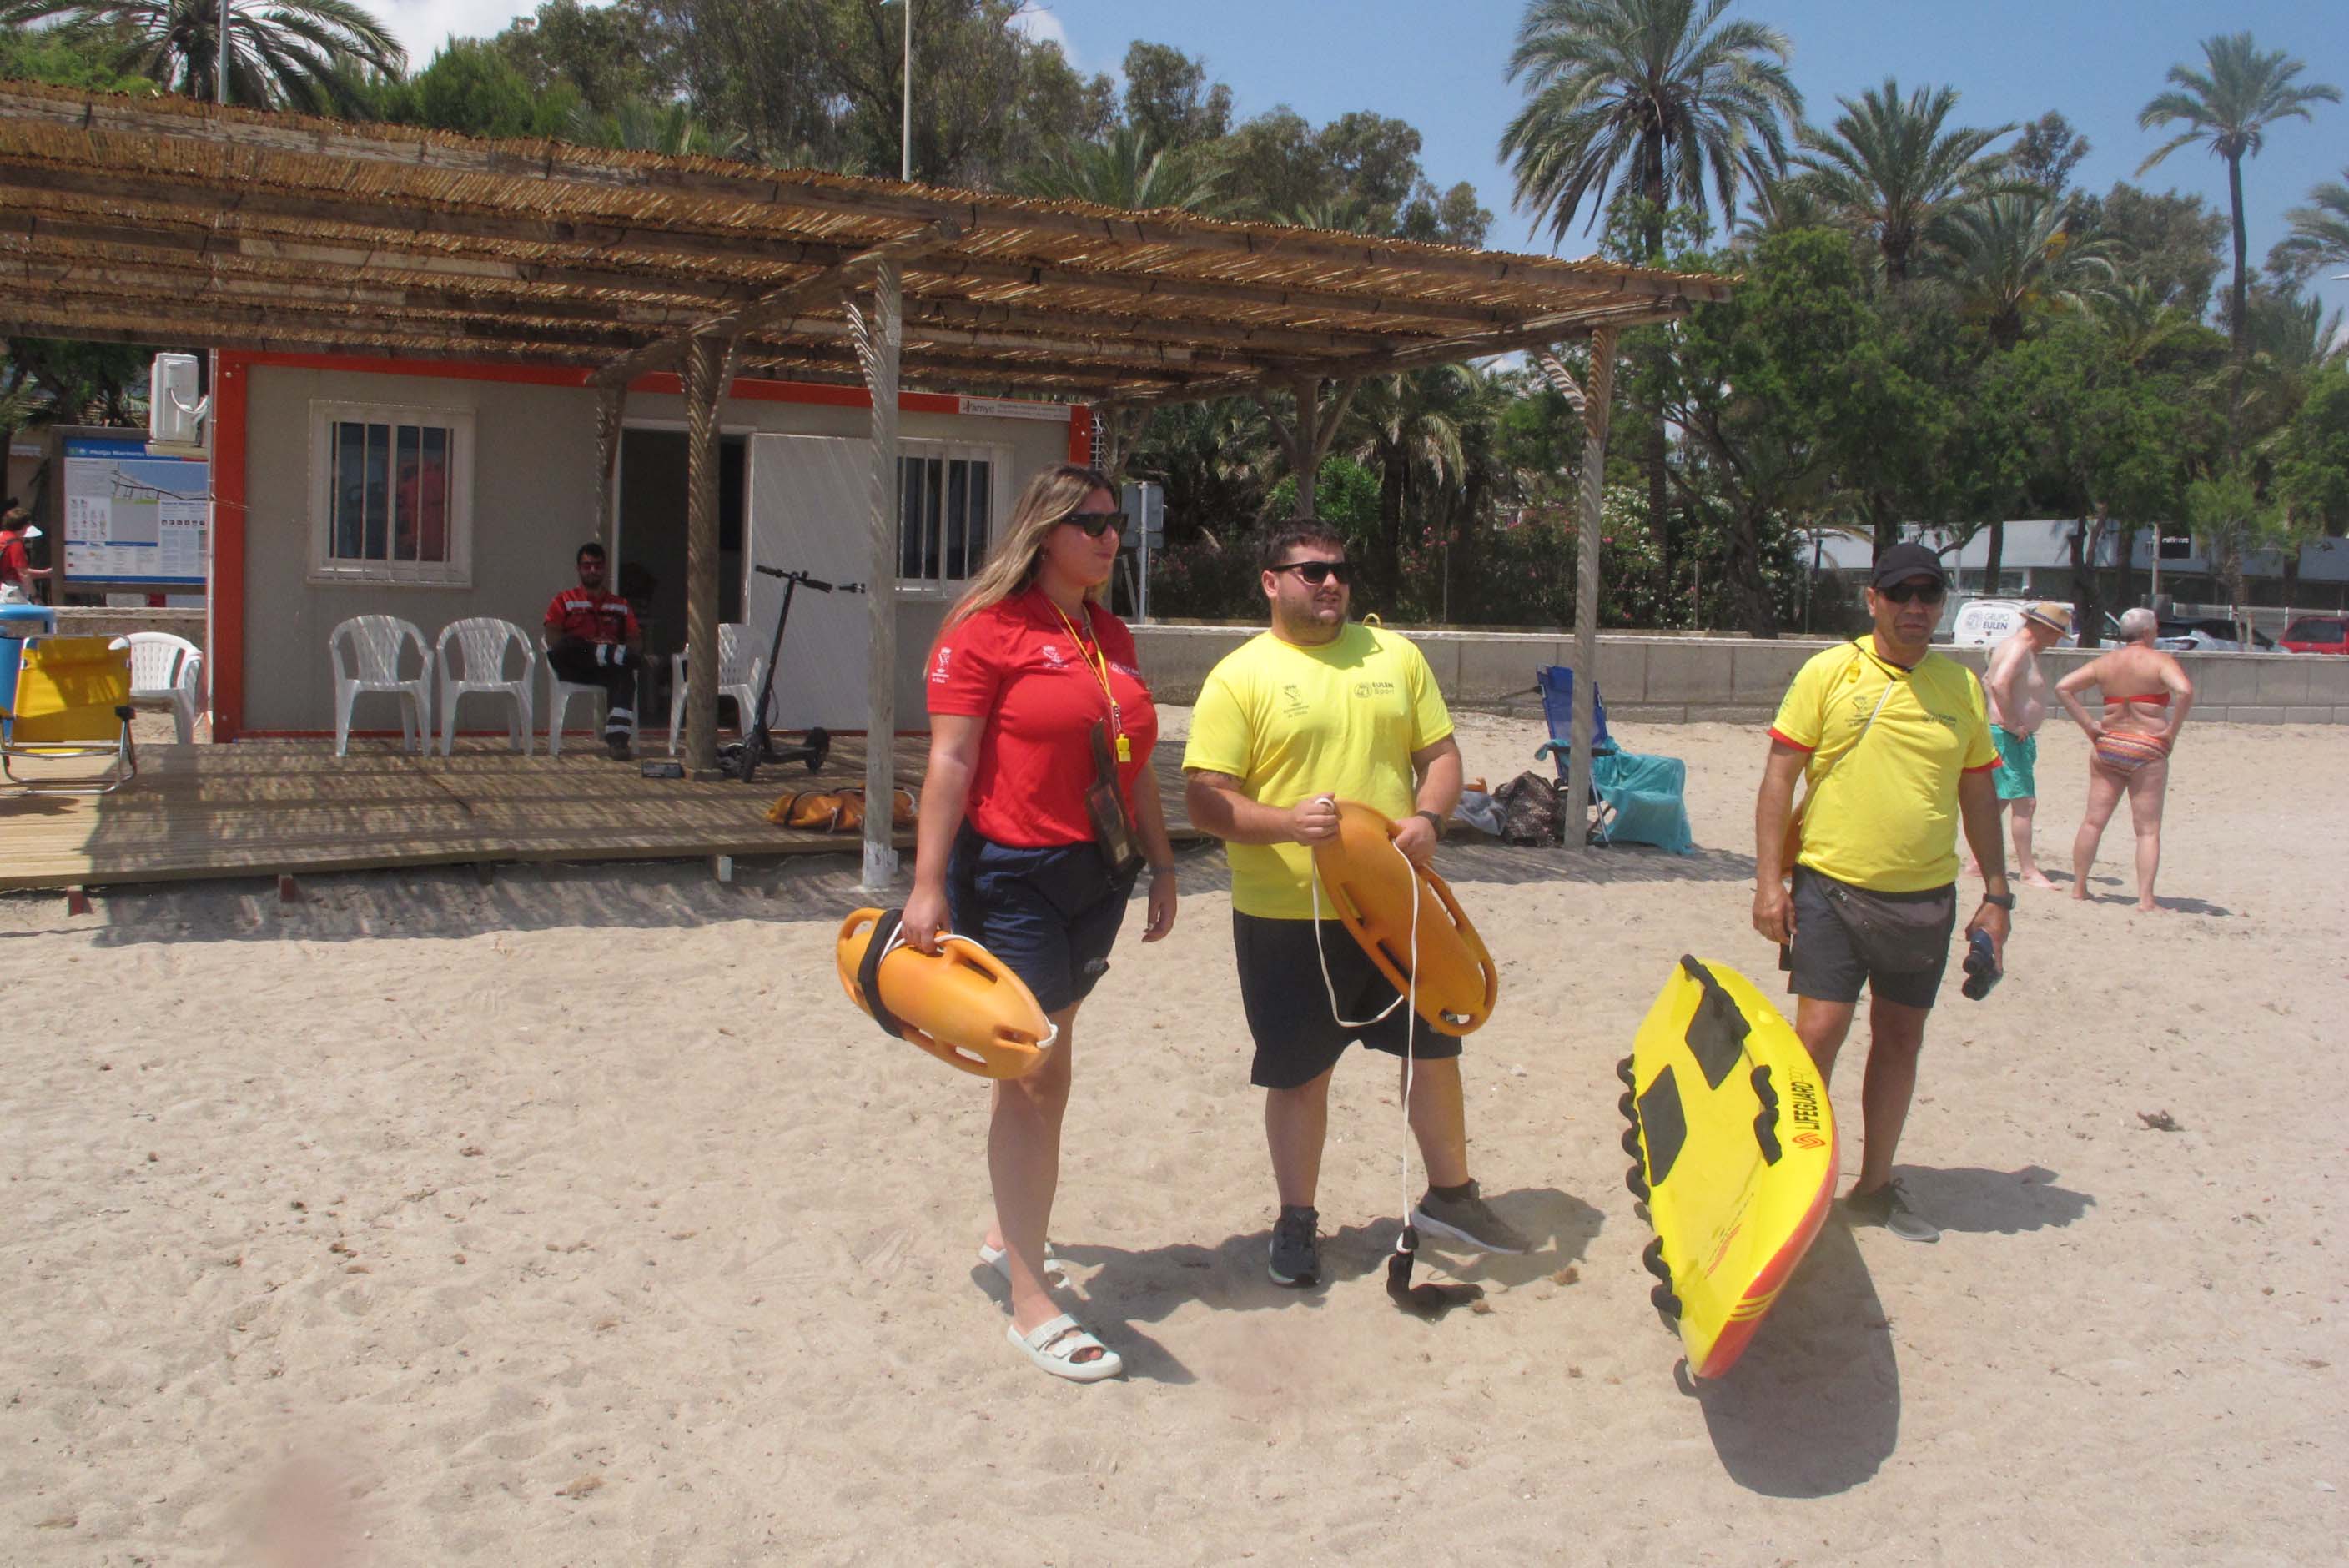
72	701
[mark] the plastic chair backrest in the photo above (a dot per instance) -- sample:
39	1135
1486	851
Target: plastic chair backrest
375	642
733	654
156	660
70	688
481	643
1557	683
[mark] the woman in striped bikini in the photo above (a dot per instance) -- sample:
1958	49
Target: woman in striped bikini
2147	695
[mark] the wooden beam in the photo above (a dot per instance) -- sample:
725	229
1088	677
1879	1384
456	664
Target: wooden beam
703	389
1591	495
879	337
526	163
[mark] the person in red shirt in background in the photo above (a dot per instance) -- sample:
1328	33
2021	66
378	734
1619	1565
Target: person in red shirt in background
593	638
1034	694
18	572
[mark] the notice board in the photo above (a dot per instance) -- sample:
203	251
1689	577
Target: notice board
133	519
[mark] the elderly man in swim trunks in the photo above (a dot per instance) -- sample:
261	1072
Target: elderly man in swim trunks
1894	742
2016	695
2147	695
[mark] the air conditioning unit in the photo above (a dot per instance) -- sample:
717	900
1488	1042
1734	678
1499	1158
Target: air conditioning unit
175	414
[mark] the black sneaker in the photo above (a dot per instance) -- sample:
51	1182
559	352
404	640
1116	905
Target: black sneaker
1468	1218
616	748
1888	1206
1296	1248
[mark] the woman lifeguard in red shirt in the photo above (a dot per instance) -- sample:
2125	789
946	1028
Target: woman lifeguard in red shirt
1034	696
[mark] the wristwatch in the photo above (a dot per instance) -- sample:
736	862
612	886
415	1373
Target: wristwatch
2004	900
1433	822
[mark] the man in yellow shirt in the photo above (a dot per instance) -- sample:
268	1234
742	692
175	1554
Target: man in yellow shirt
1895	747
1314	711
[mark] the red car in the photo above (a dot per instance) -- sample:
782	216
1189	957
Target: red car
2317	634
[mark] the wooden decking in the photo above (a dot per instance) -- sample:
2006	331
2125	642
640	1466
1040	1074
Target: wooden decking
265	809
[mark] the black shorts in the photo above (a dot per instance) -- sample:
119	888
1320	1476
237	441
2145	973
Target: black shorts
1834	951
1297	1037
1051	913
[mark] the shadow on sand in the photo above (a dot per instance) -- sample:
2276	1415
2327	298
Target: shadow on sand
1973	1201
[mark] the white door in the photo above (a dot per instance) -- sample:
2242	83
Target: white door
808	499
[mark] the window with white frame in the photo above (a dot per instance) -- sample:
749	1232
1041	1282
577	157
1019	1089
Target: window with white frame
947	512
391	494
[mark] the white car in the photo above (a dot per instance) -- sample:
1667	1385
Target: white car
2210	636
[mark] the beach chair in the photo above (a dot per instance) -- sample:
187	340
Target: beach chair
1639	800
372	646
72	702
471	654
559	693
741	667
168	669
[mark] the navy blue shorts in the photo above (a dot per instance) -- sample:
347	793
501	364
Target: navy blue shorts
1052	915
1298	1036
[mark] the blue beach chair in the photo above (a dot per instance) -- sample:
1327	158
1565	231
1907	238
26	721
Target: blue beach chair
1640	798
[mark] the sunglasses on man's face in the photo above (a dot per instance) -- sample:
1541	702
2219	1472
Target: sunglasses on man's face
1316	572
1902	592
1096	523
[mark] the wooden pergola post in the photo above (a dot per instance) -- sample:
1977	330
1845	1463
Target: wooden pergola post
1593	416
879	327
705	387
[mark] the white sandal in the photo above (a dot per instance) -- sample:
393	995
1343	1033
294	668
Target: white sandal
1056	1272
1055	1344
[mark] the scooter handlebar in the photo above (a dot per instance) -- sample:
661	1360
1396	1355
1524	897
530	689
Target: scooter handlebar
805	580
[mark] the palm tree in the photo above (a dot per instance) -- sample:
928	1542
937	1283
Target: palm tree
642	124
312	54
2320	230
1649	97
1893	171
1403	428
2230	106
1124	171
2139	324
2015	255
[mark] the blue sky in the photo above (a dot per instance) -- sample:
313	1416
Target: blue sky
1442	68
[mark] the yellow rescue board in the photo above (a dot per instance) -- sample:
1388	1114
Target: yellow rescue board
1735	1145
961	1004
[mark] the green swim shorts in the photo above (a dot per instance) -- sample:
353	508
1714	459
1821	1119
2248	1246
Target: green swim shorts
2018	757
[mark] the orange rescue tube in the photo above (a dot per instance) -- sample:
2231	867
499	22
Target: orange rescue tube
962	1004
1372	887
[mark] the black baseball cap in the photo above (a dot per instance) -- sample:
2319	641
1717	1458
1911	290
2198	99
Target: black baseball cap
1903	562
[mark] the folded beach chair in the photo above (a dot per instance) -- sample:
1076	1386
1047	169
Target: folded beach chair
1639	798
72	702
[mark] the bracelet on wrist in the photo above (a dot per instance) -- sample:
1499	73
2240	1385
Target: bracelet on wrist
1434	820
1166	871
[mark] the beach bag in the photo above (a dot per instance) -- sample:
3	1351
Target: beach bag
835	810
1530	810
1896	936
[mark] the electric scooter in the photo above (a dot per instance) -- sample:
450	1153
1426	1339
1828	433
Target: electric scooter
758	746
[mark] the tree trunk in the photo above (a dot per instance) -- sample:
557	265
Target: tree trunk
1755	610
1997	556
2087	609
1659	452
1882	524
2236	327
1394	475
2127	567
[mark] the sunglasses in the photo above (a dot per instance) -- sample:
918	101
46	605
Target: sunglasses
1316	572
1902	592
1096	523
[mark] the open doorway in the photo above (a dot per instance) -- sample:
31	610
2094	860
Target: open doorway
649	570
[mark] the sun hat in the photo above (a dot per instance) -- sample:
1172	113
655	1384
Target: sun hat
1903	562
2056	617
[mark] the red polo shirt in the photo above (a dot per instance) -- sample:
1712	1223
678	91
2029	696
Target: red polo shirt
591	615
1014	665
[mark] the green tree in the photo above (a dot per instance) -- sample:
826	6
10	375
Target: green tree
2312	456
2320	232
2171	241
611	54
2229	106
1125	171
2048	151
65	57
1170	101
1893	171
307	55
2015	257
649	125
472	88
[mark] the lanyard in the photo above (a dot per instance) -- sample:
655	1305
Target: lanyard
1098	663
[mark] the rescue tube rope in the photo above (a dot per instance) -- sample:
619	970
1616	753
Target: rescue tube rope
897	939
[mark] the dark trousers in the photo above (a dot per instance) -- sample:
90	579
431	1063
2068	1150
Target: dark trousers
575	659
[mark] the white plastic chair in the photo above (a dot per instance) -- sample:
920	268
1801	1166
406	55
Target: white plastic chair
559	693
168	669
374	645
740	673
480	643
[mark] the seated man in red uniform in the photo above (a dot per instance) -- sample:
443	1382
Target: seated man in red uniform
592	639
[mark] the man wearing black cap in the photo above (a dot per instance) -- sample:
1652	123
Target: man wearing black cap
1895	744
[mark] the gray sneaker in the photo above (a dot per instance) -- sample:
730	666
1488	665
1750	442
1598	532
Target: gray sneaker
1296	1248
1888	1206
1469	1218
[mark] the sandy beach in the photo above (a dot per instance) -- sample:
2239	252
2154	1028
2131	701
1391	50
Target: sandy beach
576	1219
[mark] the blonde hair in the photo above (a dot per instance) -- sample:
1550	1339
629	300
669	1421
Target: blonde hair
1011	562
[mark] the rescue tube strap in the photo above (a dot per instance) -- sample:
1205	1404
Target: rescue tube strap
883	942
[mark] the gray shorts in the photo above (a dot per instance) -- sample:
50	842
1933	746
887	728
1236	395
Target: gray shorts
1896	943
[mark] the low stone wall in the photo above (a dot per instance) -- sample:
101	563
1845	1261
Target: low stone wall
1738	680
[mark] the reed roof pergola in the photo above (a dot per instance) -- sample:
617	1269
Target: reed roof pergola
163	220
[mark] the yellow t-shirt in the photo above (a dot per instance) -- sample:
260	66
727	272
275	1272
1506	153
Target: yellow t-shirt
1342	720
1887	818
